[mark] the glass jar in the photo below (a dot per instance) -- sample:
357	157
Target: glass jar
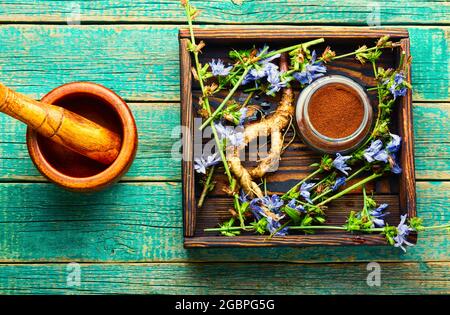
327	144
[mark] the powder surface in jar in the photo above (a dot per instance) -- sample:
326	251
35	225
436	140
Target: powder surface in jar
336	111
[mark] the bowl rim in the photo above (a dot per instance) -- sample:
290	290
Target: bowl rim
127	152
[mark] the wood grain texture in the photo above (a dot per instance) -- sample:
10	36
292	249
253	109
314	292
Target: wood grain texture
156	123
342	39
407	185
137	62
135	222
128	224
432	119
157	136
235	278
343	12
187	122
141	62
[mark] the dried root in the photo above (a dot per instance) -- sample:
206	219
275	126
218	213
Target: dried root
273	125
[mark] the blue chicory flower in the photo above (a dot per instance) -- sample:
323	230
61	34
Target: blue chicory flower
243	111
263	68
403	231
243	196
233	136
339	163
338	183
396	87
376	152
218	68
394	145
293	204
202	163
399	78
273	225
305	191
276	84
272	205
266	51
378	215
394	164
398	92
312	71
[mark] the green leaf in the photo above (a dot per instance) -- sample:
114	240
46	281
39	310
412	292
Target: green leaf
293	214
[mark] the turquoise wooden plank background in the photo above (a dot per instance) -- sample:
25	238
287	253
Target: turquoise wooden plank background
129	237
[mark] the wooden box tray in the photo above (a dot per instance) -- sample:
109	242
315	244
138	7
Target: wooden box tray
396	190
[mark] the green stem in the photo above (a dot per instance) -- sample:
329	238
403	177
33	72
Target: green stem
231	228
322	181
316	227
354	53
237	206
249	97
364	168
374	69
206	186
279	229
436	227
206	100
319	170
377	121
349	189
226	99
364	210
290	48
326	192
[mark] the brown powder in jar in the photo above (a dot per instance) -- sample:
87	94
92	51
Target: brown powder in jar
336	110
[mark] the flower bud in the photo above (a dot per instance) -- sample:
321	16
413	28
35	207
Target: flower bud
328	54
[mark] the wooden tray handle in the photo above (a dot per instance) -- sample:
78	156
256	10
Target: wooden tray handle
62	126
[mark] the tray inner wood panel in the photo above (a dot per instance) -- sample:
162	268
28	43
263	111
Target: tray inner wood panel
296	160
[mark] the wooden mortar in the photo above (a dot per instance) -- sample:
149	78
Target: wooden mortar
85	141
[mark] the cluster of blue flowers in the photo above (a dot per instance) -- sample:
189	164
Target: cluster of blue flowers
293	205
312	71
377	215
388	154
403	231
233	135
265	68
397	86
218	68
271	212
340	163
202	163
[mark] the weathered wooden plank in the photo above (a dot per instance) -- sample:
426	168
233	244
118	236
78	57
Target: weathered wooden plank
432	155
137	62
342	12
141	62
231	278
156	122
137	222
154	161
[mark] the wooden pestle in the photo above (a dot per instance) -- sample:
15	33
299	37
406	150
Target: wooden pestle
62	126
